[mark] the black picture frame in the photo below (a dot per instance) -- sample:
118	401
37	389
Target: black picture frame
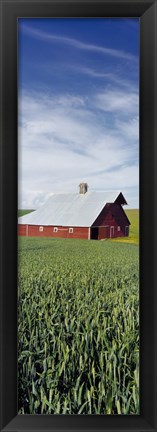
146	10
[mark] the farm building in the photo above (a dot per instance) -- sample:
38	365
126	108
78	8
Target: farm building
85	215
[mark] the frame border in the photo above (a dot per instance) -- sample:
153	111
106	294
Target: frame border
146	10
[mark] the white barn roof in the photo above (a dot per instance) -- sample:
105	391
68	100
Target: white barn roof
69	209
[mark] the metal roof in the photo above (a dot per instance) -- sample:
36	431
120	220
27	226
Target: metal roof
69	209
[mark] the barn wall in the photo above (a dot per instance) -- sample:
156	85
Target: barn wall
116	217
21	230
112	215
63	232
103	232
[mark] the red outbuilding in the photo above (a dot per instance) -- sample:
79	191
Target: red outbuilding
84	215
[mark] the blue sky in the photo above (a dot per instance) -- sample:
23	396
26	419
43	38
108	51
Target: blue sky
78	107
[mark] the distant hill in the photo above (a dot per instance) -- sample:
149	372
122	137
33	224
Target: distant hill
133	216
24	212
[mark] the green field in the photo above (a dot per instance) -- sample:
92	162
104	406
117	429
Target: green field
78	326
24	212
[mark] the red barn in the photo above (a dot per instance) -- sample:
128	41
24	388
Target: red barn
85	215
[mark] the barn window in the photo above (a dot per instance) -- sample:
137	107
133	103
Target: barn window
71	230
41	228
118	228
55	229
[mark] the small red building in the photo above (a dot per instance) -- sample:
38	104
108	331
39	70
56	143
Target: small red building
84	215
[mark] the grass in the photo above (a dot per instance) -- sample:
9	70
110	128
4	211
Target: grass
78	327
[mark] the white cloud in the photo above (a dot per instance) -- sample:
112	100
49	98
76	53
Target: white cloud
129	129
112	77
122	102
63	140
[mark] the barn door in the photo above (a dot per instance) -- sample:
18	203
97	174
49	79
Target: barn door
126	231
111	231
94	233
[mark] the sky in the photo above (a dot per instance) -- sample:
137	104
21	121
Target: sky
78	107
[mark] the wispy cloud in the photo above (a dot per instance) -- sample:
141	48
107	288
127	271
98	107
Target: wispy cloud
62	142
78	114
78	44
107	76
129	129
122	102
